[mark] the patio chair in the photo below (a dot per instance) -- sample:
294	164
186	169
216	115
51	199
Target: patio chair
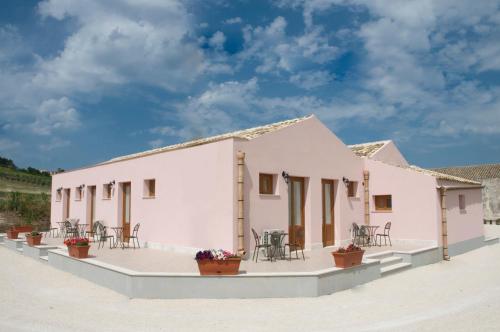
102	236
70	231
277	245
259	244
93	232
358	234
134	237
385	235
296	245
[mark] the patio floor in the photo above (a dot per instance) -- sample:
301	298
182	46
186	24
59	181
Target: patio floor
152	260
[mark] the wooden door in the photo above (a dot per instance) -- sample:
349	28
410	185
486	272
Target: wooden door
328	219
126	208
296	227
67	194
92	201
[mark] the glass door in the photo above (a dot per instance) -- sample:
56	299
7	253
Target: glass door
328	219
296	228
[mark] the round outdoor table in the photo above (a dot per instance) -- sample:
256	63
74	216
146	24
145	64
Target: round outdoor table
371	233
118	236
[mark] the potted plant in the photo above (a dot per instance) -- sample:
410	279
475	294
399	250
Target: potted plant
24	228
348	257
34	238
78	247
217	262
12	233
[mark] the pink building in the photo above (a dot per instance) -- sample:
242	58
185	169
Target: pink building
296	176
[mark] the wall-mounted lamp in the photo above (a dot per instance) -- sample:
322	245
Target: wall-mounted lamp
345	180
112	183
59	190
81	186
285	176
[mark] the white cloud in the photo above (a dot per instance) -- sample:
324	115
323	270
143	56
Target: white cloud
233	20
217	40
156	143
55	115
311	79
122	42
275	51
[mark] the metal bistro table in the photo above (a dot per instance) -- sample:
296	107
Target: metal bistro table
62	228
118	236
81	229
276	245
371	233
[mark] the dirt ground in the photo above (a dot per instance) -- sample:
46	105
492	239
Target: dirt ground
460	295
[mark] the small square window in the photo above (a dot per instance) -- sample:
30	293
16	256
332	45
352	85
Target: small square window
149	188
106	191
78	194
266	185
352	189
461	202
383	202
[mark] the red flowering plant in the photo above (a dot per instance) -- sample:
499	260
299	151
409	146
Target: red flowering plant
77	241
213	254
350	248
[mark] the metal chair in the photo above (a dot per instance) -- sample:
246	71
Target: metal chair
93	232
70	231
296	245
134	237
259	243
358	233
102	236
385	235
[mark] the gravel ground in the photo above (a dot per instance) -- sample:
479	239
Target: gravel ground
460	295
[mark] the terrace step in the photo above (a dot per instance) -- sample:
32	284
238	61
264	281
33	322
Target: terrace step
395	268
20	249
380	255
45	258
392	260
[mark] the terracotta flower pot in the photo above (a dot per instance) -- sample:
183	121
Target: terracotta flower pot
34	240
212	267
79	251
24	228
12	234
348	259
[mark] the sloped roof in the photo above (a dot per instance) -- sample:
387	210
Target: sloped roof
442	176
367	149
246	134
473	172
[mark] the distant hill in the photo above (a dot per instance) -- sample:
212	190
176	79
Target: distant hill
26	180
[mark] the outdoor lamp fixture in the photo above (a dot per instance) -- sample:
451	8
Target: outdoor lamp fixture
59	190
81	186
345	180
285	176
112	183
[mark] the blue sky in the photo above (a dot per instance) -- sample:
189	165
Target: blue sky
85	81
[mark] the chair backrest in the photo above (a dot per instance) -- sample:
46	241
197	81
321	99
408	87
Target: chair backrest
299	235
355	229
136	229
256	237
387	228
101	229
363	231
95	226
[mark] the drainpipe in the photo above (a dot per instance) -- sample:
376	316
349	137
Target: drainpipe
366	176
241	162
444	223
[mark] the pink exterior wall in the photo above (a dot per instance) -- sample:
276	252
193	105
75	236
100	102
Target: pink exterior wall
415	204
464	224
193	206
390	154
309	150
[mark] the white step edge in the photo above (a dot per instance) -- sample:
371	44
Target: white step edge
380	255
390	261
45	258
394	268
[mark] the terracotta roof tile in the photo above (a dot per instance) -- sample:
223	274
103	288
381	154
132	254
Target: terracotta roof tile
474	172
